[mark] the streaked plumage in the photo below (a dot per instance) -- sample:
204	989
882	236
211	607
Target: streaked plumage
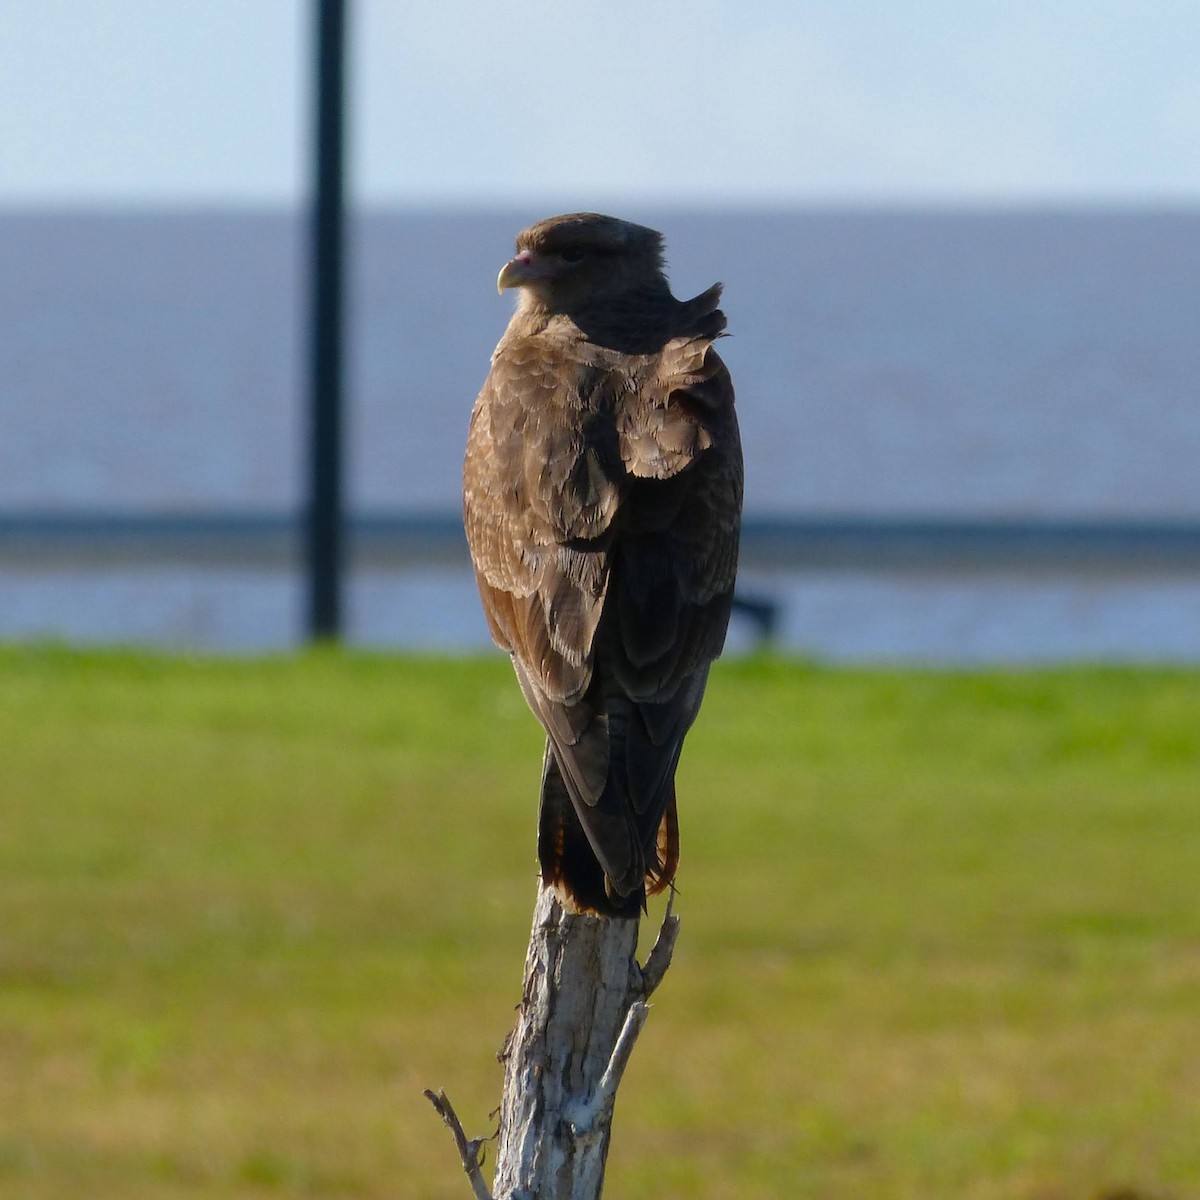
602	496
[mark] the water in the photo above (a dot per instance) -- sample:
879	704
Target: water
848	617
1003	364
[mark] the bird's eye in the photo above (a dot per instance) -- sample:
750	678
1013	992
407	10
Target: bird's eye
572	254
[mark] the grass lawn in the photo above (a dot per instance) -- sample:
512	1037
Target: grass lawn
941	931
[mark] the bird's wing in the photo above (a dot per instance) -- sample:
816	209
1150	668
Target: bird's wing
677	557
540	496
602	500
673	568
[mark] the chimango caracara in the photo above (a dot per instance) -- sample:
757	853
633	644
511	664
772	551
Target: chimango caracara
602	497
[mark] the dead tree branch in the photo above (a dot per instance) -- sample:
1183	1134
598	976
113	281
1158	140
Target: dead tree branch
468	1151
583	1006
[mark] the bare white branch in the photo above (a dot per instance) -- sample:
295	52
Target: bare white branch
468	1150
598	1109
659	958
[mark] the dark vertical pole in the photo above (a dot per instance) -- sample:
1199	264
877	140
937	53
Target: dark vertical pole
325	519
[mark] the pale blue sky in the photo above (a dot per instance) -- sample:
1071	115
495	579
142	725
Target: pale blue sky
593	101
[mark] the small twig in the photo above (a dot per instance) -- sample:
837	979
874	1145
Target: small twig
585	1117
468	1151
659	958
635	1018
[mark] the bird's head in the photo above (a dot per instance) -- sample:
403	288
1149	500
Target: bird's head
565	262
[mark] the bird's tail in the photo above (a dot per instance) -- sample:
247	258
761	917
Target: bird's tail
660	871
570	864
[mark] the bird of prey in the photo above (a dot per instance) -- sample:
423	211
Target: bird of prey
602	495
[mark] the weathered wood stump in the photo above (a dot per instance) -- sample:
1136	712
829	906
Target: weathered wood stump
583	1005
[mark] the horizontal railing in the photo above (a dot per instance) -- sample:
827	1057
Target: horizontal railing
400	540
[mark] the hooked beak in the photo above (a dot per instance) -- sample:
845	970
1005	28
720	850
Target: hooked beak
519	271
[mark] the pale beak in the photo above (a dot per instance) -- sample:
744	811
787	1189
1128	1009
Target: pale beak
519	271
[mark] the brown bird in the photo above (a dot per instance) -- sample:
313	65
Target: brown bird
602	498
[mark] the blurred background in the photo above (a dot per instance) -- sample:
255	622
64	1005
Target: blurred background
940	925
961	250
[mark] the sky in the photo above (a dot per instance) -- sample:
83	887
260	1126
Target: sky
586	102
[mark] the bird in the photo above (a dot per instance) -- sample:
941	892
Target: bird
602	497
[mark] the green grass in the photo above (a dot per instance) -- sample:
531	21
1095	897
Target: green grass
941	931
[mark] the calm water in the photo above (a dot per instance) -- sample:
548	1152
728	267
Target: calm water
839	616
1004	364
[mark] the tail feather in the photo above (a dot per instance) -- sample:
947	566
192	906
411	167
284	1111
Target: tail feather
570	863
661	874
567	859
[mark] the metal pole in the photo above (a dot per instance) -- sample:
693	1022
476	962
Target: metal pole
325	517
